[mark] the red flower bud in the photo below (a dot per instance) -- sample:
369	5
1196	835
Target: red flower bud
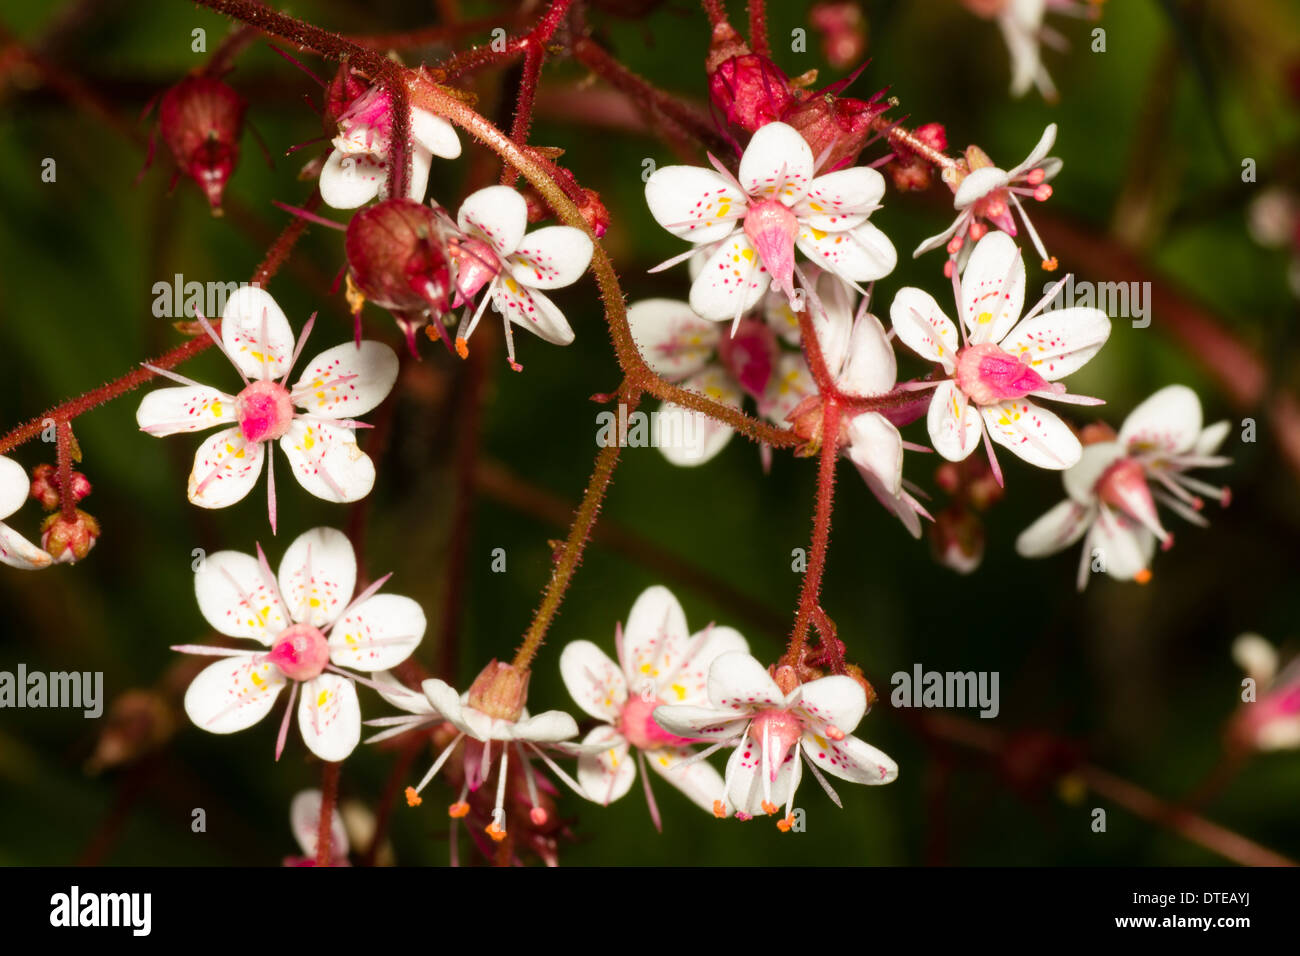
340	93
837	128
749	90
69	541
200	119
398	260
45	486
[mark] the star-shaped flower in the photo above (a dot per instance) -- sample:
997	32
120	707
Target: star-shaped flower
313	628
316	436
985	196
15	550
753	221
491	712
1005	360
659	662
775	730
1114	488
357	169
493	253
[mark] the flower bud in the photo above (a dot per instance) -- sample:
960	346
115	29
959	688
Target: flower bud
398	260
344	89
200	119
749	90
500	691
69	541
836	127
45	486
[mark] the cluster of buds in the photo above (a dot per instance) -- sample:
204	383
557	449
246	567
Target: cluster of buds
750	91
910	171
67	538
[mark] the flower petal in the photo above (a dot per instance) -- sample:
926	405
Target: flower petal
1212	437
871	367
444	700
672	339
17	552
498	215
778	162
1168	422
1038	154
876	446
256	333
688	438
689	684
922	326
170	411
329	716
842	199
547	727
861	254
655	638
1058	342
1056	530
317	576
349	180
346	381
1035	434
849	759
304	819
232	694
327	461
698	780
238	598
993	288
551	258
789	385
532	310
1081	480
693	203
979	184
709	723
401	696
732	280
225	469
837	701
15	486
1123	546
593	680
953	424
379	633
435	134
606	775
745	773
737	680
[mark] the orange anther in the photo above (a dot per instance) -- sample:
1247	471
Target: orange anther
413	797
785	825
458	810
719	809
462	347
1050	265
1143	576
495	832
769	807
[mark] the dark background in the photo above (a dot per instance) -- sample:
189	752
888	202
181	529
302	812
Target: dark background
1153	132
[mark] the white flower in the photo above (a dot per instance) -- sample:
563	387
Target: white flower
312	627
1005	360
357	168
1114	488
775	733
1271	721
304	819
659	662
985	195
494	252
15	550
861	360
753	221
491	711
1021	22
317	437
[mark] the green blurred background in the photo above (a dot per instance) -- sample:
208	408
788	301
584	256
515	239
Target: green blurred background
1152	132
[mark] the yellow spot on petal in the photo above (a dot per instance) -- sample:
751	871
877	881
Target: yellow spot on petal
984	318
680	691
323	699
748	254
216	409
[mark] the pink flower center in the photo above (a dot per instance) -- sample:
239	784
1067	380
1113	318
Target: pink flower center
264	411
476	265
750	355
987	375
301	652
1124	487
637	724
772	227
782	729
